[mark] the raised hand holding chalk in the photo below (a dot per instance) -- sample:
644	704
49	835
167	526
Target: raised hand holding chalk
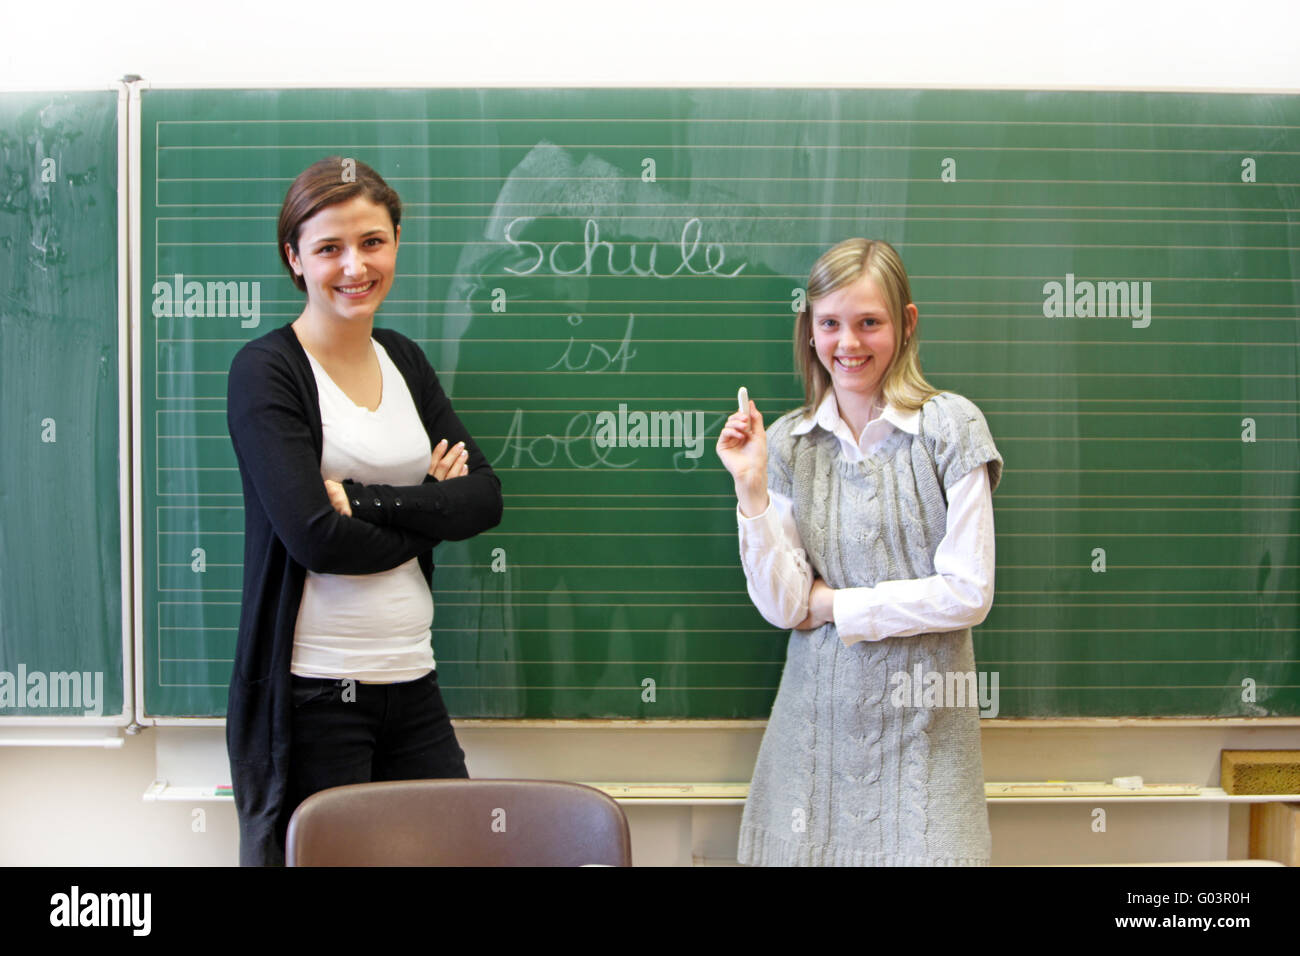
742	447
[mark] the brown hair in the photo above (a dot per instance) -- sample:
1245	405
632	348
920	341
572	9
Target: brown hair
842	264
322	184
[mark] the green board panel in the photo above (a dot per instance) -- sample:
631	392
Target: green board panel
61	632
646	245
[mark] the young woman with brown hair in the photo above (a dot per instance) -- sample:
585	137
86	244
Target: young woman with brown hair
354	466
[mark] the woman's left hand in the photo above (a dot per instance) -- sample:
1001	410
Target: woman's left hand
821	606
450	462
338	498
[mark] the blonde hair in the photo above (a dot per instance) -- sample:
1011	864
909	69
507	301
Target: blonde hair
842	264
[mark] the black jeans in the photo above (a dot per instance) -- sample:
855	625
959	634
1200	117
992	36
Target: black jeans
345	731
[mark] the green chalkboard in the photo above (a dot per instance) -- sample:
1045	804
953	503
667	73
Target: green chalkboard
571	252
61	627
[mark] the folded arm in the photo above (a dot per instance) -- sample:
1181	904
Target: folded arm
449	510
278	457
959	594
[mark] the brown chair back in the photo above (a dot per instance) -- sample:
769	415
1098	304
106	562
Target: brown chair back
459	823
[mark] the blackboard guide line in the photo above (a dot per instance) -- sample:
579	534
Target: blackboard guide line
1044	439
163	590
618	604
1047	471
768	663
659	631
557	373
638	662
685	207
1034	316
541	566
1114	604
560	339
732	180
769	309
1171	631
1113	510
779	149
779	301
1183	660
1139	567
1215	410
857	220
1134	534
729	509
1050	496
1001	591
491	211
1115	246
1000	603
747	120
731	534
1216	406
949	373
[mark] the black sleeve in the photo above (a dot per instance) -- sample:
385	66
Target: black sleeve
449	510
273	442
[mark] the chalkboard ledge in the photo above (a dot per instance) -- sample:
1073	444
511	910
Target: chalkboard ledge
734	794
987	723
629	794
107	737
507	723
1044	723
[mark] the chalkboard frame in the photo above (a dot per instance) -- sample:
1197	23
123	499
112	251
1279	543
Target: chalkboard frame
503	722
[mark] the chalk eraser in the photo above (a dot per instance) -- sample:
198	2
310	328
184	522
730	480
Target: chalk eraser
1128	783
1260	771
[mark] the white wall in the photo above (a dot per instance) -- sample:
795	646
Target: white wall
84	807
1023	43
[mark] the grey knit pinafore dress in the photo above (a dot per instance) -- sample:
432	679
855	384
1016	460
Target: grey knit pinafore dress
843	776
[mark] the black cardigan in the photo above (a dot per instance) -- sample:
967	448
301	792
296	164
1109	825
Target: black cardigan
273	413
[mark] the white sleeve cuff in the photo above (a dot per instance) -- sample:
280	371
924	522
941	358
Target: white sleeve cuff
853	609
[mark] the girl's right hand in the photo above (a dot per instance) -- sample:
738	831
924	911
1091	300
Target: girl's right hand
742	447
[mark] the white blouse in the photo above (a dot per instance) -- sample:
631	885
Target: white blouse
958	595
371	627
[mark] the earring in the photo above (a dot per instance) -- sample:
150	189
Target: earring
812	344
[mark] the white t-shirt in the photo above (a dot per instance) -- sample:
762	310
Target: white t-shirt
371	627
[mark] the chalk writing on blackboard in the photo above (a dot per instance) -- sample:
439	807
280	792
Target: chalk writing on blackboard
543	451
713	254
598	358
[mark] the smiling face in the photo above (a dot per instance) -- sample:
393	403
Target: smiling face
854	338
347	256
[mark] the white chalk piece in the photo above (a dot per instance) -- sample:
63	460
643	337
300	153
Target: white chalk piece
742	397
1128	783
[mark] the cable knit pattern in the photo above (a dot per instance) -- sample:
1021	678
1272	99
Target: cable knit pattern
843	776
